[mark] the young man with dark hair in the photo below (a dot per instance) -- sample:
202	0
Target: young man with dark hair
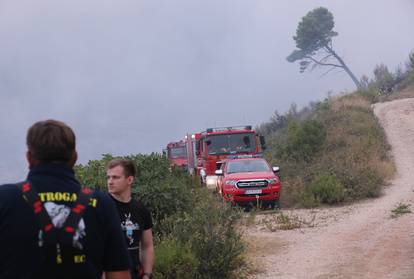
51	227
136	220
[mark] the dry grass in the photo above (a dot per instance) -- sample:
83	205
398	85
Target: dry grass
387	168
341	102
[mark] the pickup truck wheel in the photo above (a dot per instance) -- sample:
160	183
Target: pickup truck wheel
247	208
275	205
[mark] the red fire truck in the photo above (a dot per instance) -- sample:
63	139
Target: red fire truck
207	148
177	154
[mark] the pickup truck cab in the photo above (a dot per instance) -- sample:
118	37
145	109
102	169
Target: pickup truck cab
248	180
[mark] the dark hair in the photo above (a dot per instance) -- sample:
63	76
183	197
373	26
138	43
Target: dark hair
127	165
51	141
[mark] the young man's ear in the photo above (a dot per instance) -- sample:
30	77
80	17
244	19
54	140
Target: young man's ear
130	180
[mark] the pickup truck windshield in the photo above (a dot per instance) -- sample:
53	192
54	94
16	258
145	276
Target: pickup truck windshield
247	166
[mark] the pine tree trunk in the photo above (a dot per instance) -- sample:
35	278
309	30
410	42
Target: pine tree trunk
345	67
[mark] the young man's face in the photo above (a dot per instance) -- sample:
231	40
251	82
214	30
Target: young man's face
118	183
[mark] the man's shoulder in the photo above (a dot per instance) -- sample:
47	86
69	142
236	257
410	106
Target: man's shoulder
10	196
102	196
8	190
140	207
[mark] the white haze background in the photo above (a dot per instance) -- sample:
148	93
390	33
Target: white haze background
131	76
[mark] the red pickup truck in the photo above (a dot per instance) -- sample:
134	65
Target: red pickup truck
248	180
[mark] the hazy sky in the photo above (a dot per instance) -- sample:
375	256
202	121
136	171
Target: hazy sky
131	76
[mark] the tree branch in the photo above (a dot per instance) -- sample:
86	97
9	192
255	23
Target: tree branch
321	63
325	58
331	69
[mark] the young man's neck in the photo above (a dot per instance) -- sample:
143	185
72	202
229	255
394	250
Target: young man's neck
124	197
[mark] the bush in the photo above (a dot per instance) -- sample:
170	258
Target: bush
93	174
384	80
167	197
211	231
308	200
174	260
363	183
326	188
151	168
303	141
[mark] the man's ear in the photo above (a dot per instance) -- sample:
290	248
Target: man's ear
73	159
29	159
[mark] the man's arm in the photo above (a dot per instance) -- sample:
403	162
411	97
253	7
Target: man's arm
147	247
116	258
125	274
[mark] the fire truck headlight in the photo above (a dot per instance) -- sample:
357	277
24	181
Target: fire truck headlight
211	181
231	182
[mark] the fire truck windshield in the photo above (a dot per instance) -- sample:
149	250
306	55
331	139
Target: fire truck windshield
231	143
178	152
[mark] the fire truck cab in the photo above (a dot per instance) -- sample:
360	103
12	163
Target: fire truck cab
206	149
177	154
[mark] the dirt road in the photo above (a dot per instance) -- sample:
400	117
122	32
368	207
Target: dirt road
357	241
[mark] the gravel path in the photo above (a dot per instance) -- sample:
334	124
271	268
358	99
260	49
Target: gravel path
357	241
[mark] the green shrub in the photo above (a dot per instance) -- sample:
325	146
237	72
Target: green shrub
151	168
326	188
370	94
384	80
93	174
174	260
303	141
211	231
400	210
166	197
363	183
309	200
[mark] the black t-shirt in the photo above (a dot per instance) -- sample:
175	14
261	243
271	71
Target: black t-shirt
135	219
98	235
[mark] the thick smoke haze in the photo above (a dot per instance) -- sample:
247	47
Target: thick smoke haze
131	76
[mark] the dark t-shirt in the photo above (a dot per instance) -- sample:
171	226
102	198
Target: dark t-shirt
135	219
98	236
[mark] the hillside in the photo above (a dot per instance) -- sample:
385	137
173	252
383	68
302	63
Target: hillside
361	240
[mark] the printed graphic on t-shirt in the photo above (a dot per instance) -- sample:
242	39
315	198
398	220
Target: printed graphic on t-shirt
58	214
129	227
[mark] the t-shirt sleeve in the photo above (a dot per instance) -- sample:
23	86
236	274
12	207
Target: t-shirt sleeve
147	219
116	253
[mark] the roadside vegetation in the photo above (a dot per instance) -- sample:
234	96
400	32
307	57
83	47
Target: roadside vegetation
335	151
195	234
